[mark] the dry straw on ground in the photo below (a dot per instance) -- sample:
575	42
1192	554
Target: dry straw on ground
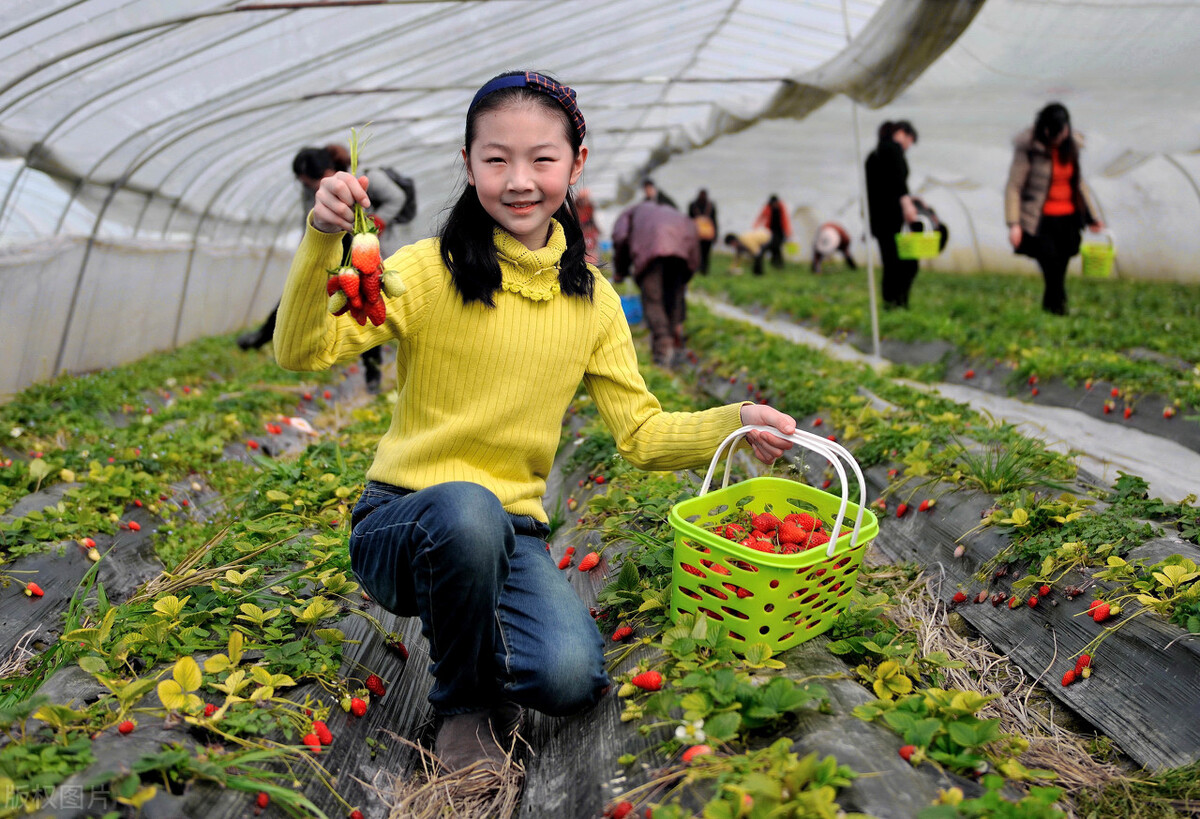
474	792
1023	709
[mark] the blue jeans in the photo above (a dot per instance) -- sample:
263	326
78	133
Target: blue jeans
501	619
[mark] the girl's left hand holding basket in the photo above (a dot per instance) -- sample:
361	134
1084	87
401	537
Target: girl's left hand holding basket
767	448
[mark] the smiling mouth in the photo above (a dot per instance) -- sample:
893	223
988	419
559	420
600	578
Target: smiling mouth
520	205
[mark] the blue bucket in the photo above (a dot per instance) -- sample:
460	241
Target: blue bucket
632	305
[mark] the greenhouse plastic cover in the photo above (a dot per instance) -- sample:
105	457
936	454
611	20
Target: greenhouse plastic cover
146	193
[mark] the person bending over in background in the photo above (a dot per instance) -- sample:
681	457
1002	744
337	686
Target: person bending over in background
658	246
500	321
1046	201
752	245
831	238
890	207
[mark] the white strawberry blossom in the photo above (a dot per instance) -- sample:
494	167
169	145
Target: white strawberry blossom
691	733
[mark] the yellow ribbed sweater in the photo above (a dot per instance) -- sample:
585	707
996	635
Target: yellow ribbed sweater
482	391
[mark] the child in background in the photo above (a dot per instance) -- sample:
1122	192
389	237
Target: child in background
501	320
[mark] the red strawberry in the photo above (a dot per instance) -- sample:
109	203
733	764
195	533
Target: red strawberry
906	752
960	597
825	484
735	532
1033	601
312	741
135	526
695	751
1101	612
332	284
926	505
622	633
901	510
262	800
791	533
1115	392
209	709
1168	412
126	727
589	562
358	707
1034	391
766	522
364	253
376	312
817	538
1084	661
1093	604
375	685
33	590
1043	590
398	647
620	810
570	550
565	562
692	570
1108	407
804	520
1014	601
817	422
1128	412
648	681
356	814
1069	677
350	284
969	374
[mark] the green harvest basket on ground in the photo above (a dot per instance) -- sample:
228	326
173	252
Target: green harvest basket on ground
778	599
925	244
1097	257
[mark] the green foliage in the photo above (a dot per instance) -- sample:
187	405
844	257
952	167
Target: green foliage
772	782
1039	803
943	723
1105	337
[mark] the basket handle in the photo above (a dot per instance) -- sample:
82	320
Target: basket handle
834	452
926	224
1107	234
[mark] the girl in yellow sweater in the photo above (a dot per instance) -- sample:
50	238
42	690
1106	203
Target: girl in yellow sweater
501	319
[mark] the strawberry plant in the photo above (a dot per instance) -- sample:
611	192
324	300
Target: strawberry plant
1039	803
774	781
945	726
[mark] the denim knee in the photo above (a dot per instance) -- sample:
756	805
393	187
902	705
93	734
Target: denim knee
569	678
469	524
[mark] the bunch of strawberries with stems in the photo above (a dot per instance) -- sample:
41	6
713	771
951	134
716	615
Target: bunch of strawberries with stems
358	285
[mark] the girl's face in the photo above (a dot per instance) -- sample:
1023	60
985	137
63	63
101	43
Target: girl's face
521	165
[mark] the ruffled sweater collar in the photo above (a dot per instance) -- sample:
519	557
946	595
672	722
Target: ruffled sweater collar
530	273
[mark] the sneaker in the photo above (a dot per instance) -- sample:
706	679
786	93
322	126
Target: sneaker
465	740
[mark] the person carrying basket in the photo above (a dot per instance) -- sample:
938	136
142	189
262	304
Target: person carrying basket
500	320
1046	201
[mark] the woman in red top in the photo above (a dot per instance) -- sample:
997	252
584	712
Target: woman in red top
1046	201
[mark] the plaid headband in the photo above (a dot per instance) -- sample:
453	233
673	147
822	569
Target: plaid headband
531	79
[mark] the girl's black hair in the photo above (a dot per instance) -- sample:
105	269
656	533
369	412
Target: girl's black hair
1049	124
888	129
467	246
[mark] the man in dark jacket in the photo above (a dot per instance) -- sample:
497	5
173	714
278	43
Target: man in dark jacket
659	247
889	206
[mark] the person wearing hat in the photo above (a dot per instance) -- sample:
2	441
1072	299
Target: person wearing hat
831	238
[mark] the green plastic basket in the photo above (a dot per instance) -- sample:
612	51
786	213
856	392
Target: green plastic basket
778	599
1097	257
923	245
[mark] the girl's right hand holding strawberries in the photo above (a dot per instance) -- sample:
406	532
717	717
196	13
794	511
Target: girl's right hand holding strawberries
334	208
